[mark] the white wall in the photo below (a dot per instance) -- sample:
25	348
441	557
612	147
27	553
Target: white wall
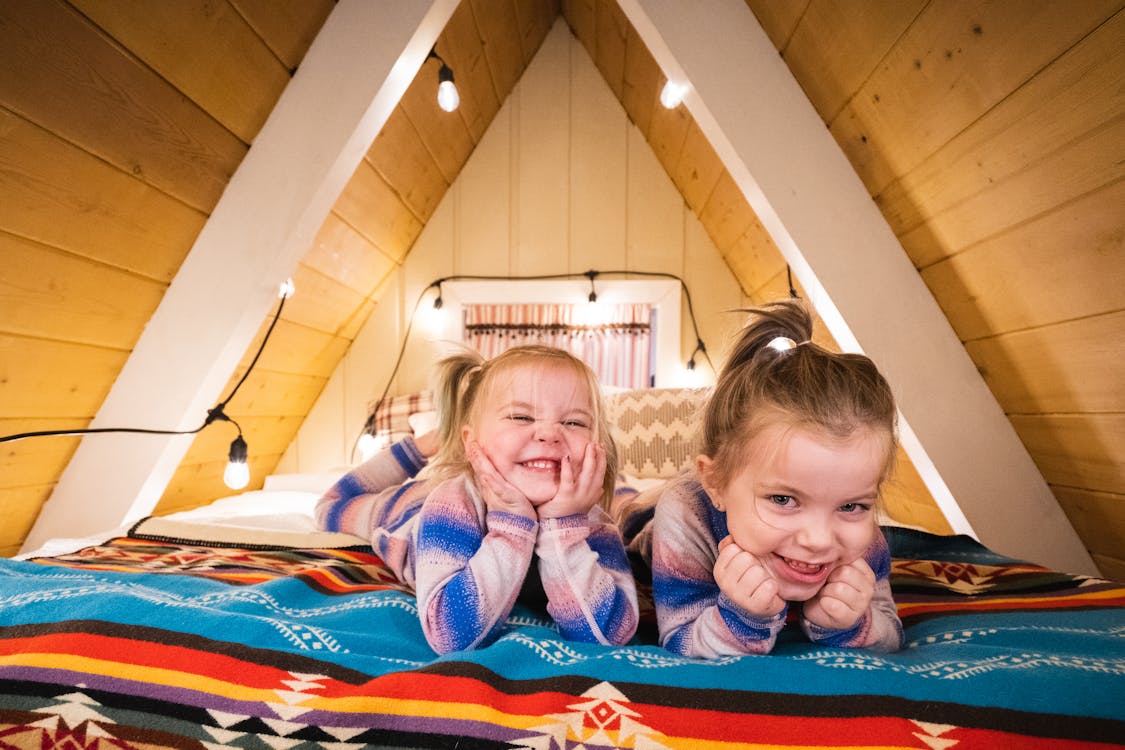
561	182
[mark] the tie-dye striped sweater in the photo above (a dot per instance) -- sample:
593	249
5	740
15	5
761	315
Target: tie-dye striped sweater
677	529
467	564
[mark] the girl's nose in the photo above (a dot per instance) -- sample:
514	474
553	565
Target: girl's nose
546	431
814	533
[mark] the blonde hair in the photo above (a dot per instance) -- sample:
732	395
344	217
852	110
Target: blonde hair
461	380
766	380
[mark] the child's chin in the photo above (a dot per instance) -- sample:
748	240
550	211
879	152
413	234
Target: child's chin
798	592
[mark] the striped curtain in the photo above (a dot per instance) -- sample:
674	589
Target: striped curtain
617	345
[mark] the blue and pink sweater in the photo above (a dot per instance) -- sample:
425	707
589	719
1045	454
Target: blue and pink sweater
678	529
468	564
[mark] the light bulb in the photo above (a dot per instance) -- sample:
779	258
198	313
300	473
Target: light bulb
672	94
367	445
237	474
287	289
447	96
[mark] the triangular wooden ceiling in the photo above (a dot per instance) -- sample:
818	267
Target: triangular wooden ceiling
400	179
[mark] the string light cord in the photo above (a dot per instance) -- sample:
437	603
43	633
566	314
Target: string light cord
215	414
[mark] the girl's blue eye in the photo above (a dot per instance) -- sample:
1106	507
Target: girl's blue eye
855	508
576	423
783	501
520	418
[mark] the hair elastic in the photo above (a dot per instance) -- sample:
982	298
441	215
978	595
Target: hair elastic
782	343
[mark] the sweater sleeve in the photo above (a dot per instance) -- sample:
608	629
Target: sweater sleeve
589	583
376	501
470	565
694	617
880	629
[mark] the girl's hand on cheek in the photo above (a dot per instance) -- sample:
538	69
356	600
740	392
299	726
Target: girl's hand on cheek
498	493
844	598
579	488
745	581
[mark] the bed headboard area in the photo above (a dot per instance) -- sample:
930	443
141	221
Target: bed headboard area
654	427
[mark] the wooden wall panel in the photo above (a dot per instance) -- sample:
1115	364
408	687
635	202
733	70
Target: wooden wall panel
444	134
543	189
1020	279
1077	450
287	27
779	18
1062	368
839	42
59	195
406	164
131	117
948	68
1075	94
206	50
342	253
598	153
52	294
463	50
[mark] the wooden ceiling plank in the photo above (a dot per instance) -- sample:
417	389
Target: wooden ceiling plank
1077	93
206	50
271	210
445	135
612	31
403	160
726	214
1059	368
42	378
497	25
959	70
1019	279
581	16
1077	450
641	80
462	43
779	18
342	253
46	293
804	190
374	209
131	117
286	26
324	304
116	219
1081	167
697	170
839	42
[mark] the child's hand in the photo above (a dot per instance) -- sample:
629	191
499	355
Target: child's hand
742	577
577	493
498	493
844	598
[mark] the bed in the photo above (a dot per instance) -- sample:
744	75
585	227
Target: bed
239	625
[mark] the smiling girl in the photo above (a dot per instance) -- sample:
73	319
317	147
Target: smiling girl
523	466
780	507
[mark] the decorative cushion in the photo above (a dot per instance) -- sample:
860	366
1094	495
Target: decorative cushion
390	421
655	429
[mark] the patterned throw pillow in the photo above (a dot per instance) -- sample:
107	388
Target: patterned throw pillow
655	429
390	421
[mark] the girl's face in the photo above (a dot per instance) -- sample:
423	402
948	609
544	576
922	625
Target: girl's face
529	419
803	502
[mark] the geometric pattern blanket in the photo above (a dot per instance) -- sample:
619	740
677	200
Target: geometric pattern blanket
191	638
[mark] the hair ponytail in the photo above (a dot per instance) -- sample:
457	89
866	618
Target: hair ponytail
775	372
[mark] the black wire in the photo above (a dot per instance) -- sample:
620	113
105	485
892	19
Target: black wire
789	278
215	414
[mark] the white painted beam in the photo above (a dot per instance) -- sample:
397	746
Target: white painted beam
353	76
856	273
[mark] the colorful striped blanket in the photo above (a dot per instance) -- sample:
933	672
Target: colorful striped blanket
179	638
